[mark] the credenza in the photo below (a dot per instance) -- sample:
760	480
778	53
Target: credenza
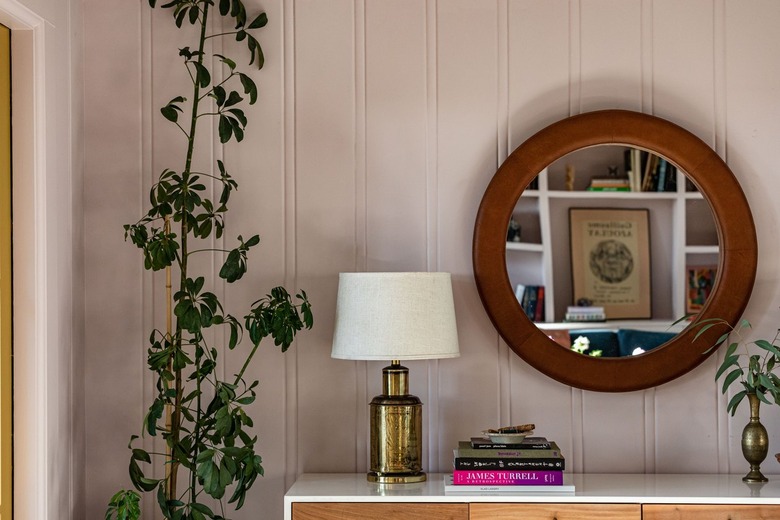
348	496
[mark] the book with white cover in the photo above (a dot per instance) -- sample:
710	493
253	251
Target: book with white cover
451	489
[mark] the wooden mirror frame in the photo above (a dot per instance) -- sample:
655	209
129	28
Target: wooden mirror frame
736	236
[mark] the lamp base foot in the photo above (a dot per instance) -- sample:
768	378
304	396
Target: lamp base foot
397	478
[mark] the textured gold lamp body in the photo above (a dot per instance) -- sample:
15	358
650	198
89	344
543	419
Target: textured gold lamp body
396	430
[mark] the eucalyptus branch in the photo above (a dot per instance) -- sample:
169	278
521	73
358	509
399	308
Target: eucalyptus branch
756	374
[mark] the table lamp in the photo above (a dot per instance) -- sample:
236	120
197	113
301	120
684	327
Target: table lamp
395	317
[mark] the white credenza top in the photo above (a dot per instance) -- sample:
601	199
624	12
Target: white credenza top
589	488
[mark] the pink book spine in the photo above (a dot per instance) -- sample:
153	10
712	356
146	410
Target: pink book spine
507	478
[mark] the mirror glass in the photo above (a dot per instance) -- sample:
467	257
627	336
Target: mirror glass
679	268
673	230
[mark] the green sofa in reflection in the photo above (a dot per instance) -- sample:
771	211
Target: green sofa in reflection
621	342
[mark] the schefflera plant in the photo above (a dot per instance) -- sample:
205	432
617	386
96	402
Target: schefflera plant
203	419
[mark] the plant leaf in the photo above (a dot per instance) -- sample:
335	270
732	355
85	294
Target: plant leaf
225	129
765	345
729	361
227	61
258	22
733	375
249	87
202	75
734	402
233	99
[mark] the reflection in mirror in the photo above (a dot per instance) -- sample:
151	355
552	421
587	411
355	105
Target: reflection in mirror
586	315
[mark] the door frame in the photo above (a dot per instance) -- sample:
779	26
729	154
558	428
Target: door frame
31	291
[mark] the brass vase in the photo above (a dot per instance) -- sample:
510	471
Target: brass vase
755	442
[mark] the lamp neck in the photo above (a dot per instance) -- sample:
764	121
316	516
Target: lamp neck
395	379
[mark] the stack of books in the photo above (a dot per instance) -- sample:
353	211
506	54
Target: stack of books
649	172
531	298
609	184
534	465
585	314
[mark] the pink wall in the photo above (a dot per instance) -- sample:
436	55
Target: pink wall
378	127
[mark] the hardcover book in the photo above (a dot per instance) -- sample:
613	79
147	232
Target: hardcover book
537	443
464	449
507	478
567	488
486	463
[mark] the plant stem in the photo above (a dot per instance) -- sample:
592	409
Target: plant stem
246	364
198	415
176	419
169	338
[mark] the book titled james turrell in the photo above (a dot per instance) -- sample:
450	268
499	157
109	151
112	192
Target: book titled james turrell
507	478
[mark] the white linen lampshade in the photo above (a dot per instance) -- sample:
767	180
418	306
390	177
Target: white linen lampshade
395	316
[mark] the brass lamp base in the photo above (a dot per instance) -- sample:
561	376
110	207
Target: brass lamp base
396	431
396	478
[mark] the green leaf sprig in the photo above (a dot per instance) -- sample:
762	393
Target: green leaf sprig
755	372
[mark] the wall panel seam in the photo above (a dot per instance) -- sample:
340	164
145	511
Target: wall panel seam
361	214
146	178
719	46
503	354
291	445
575	107
646	48
432	205
575	61
361	194
646	52
217	151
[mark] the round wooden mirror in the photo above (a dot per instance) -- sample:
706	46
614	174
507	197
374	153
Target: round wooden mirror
737	258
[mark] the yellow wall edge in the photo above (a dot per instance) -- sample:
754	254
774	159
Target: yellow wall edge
6	445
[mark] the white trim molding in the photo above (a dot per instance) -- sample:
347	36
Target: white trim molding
31	479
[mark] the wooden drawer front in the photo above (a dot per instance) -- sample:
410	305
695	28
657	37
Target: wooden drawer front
709	512
378	511
556	512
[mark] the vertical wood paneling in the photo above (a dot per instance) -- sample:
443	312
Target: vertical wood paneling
683	75
611	77
396	130
467	102
752	75
503	357
538	61
260	206
538	94
378	127
719	65
148	113
610	54
683	90
112	197
325	234
291	447
361	223
396	151
431	398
